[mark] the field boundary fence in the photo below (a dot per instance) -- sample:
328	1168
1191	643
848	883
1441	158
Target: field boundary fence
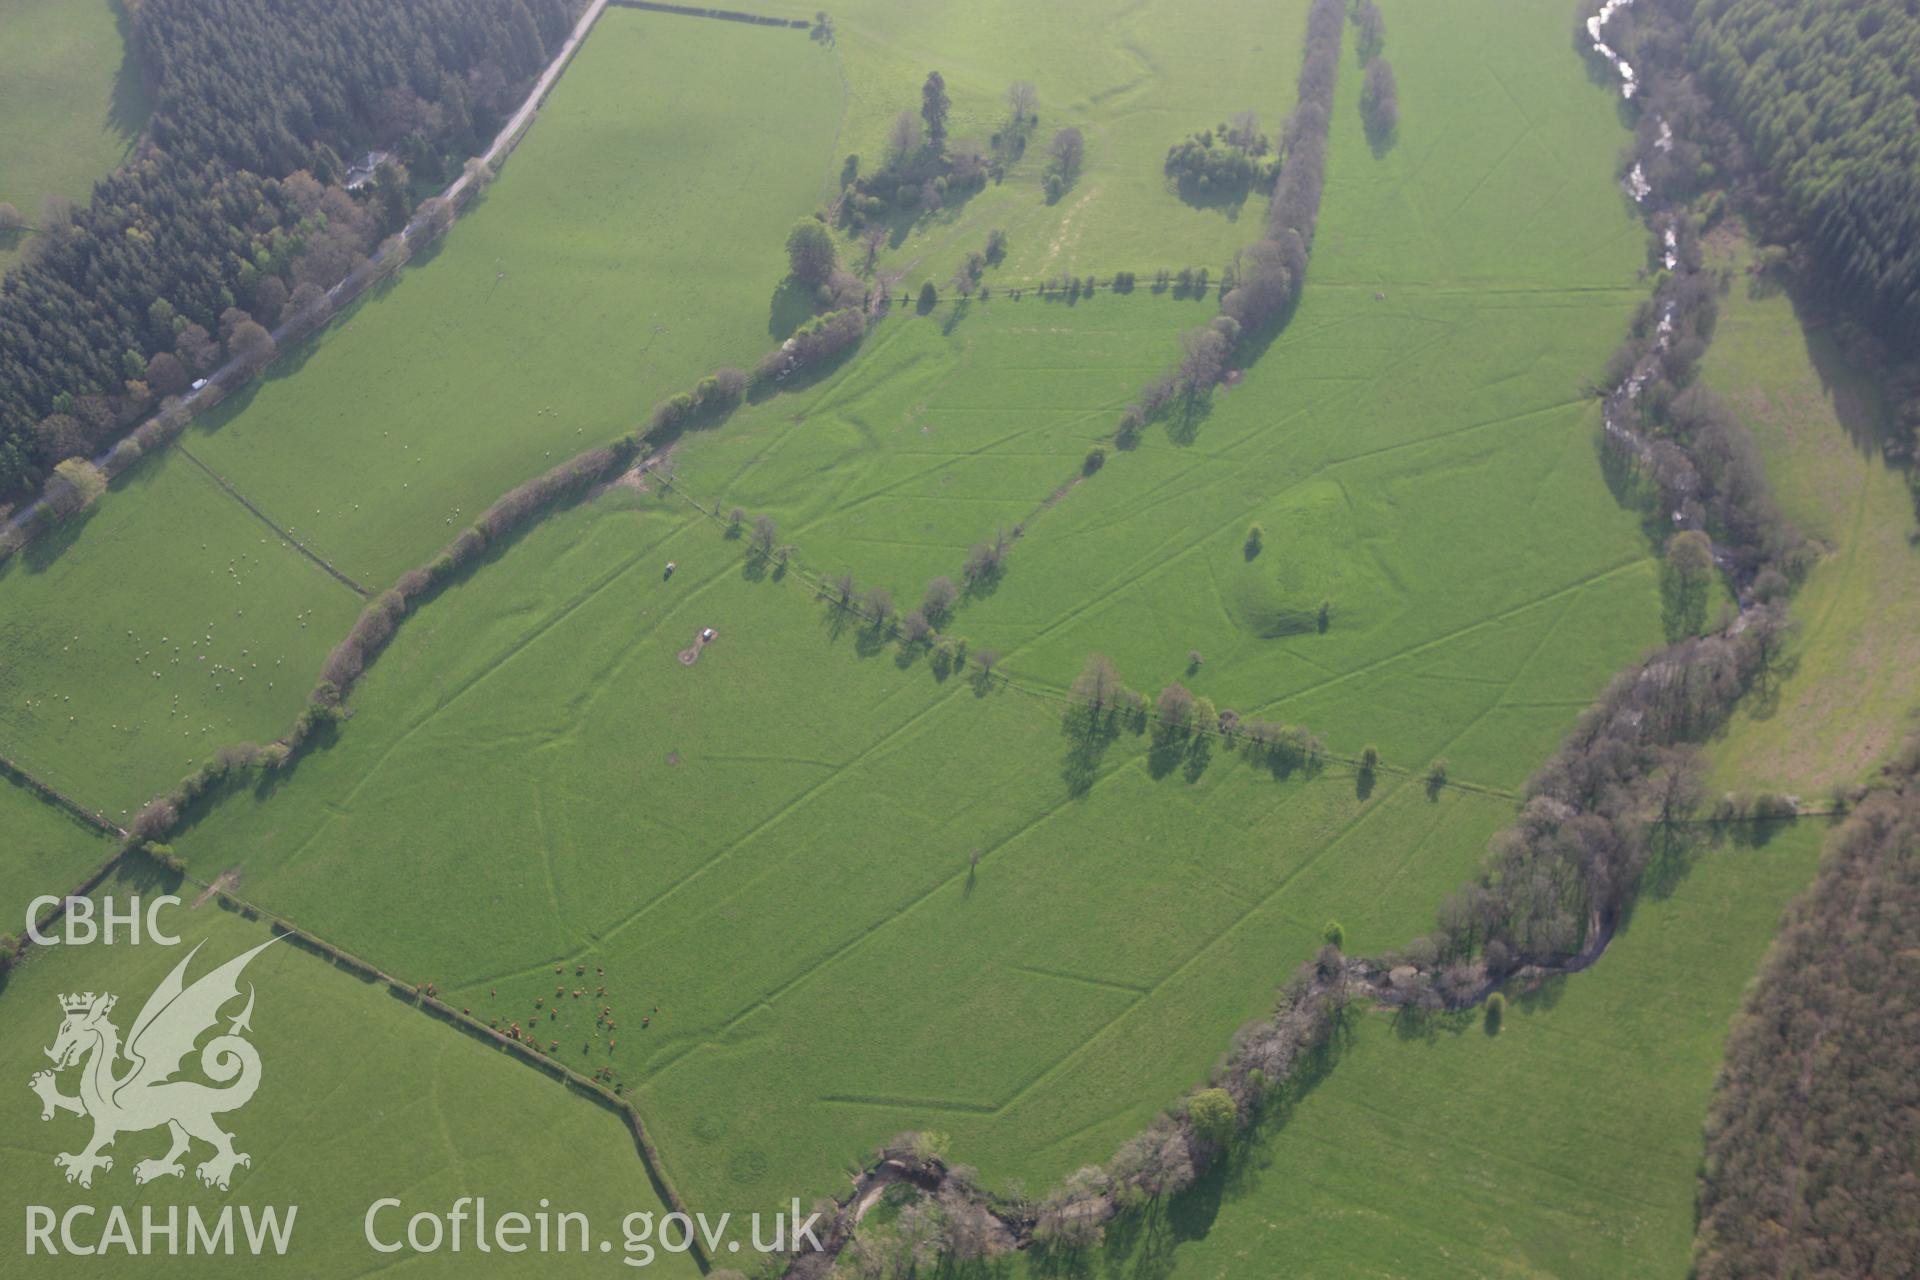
59	799
286	534
436	1008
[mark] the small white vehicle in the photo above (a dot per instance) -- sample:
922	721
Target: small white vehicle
707	634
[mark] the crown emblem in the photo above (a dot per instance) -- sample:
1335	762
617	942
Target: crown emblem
82	1003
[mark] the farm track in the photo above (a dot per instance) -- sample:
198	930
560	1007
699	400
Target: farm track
236	372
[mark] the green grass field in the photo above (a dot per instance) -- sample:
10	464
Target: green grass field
772	847
791	890
1566	1146
168	624
763	864
1423	461
1856	684
72	97
632	243
46	851
361	1097
1135	77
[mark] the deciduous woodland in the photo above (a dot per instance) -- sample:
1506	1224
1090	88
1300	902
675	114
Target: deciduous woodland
1808	1166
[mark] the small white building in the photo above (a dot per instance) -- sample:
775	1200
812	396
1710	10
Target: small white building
361	171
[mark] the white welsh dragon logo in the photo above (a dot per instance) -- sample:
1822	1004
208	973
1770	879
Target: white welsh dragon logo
145	1096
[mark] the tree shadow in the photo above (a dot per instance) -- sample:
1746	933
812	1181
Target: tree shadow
1363	783
1168	749
837	620
1542	995
1144	1244
872	639
1381	140
1225	199
1199	756
1089	732
1185	421
54	539
1415	1022
131	101
792	305
1857	398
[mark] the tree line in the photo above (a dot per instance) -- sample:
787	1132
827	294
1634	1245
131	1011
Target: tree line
233	209
1264	280
1809	1167
1379	91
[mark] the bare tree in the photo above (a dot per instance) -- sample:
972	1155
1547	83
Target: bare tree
941	593
1205	359
1068	150
1098	683
764	533
903	136
871	239
1022	101
1174	708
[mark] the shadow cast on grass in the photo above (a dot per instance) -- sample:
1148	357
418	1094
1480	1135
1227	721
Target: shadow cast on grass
1089	733
1144	1245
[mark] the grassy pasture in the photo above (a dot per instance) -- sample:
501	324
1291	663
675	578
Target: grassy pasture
73	99
1856	684
45	850
1423	460
944	430
1565	1146
1136	78
361	1097
768	854
632	243
170	623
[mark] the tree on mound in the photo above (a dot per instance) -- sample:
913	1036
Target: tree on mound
810	255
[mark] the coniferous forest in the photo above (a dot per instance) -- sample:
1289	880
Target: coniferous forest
234	201
1823	92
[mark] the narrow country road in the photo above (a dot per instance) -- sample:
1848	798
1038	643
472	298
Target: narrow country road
357	280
